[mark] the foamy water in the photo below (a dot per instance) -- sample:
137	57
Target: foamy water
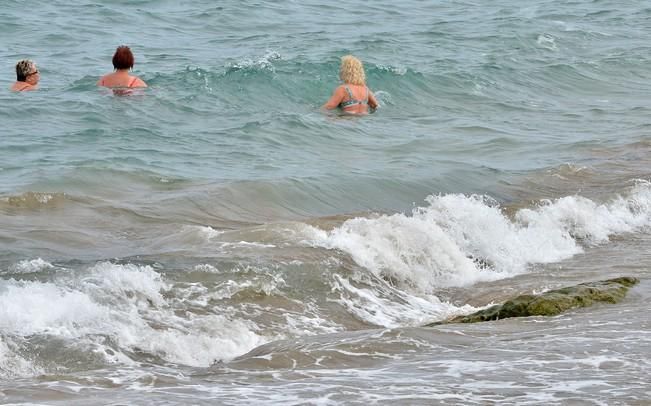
459	240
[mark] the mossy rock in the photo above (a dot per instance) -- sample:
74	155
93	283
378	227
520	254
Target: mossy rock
553	302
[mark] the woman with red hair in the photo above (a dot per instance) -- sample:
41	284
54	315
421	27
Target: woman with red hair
122	62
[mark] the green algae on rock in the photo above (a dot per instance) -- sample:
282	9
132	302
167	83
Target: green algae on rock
552	302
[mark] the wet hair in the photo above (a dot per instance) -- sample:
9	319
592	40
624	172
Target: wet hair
352	70
23	69
123	58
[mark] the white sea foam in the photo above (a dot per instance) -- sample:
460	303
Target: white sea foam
188	237
28	308
458	240
13	365
208	236
207	268
481	230
207	232
264	62
395	309
246	244
308	322
195	234
267	284
547	41
594	222
383	98
398	70
410	249
125	285
30	266
127	303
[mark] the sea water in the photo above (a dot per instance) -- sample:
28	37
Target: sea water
217	239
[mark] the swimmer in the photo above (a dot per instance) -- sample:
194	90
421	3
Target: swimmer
27	76
122	62
353	96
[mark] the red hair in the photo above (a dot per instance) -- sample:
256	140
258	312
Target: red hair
123	58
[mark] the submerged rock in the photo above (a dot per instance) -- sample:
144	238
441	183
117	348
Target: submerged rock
552	302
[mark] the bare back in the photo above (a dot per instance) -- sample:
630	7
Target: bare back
121	79
353	99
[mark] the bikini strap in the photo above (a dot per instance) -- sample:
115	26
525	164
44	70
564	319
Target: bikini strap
350	94
132	81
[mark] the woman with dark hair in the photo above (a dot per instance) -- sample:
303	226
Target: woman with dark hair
27	76
122	62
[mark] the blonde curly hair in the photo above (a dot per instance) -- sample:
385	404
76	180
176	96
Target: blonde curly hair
23	69
352	71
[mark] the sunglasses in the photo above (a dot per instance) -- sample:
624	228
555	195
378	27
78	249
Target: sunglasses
32	73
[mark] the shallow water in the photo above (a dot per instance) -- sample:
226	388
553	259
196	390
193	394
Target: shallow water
217	238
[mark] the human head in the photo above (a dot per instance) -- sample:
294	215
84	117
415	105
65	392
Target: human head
123	58
26	70
352	70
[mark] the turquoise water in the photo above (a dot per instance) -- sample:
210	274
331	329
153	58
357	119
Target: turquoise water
235	90
150	242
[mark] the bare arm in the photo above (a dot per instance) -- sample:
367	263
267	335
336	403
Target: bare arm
372	101
139	83
335	99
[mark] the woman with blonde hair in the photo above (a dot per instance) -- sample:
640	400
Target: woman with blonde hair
353	96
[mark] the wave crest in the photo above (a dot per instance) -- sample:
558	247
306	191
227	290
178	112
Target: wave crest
459	240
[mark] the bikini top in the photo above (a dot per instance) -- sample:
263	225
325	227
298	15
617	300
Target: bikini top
352	101
130	85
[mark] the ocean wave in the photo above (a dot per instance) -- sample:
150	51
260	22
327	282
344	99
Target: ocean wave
459	240
127	304
274	77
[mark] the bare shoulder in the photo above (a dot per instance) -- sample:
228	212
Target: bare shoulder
139	83
340	89
102	80
22	87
